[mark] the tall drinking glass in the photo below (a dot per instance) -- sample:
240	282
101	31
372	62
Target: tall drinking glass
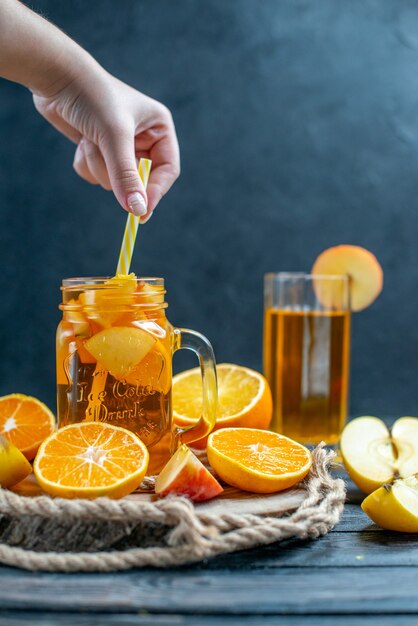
306	354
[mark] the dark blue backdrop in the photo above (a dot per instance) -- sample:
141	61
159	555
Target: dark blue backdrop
298	125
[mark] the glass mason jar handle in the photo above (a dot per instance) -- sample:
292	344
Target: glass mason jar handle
197	343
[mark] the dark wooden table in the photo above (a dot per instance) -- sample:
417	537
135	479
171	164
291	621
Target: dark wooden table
357	575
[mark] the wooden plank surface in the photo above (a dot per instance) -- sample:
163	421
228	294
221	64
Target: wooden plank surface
102	619
344	590
368	549
232	500
357	575
353	519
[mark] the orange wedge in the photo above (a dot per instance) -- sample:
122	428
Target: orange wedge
89	460
26	422
364	270
257	460
244	398
105	305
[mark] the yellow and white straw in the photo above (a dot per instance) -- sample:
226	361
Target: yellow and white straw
132	223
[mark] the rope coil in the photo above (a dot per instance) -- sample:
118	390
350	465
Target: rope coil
59	535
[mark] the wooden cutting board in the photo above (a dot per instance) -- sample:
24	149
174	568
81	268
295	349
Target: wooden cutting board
231	500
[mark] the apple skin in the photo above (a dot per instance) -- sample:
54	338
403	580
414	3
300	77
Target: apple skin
14	467
386	506
185	475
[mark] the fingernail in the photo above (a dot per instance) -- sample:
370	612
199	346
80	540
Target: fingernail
136	204
147	219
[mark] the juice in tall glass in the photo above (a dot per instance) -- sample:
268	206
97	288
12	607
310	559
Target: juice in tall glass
306	356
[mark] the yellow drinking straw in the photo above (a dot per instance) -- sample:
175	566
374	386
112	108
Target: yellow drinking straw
132	223
124	263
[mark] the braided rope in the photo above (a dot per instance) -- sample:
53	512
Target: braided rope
191	535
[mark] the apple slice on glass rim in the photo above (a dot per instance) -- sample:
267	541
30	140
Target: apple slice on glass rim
362	268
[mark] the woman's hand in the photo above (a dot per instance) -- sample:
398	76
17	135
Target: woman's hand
112	124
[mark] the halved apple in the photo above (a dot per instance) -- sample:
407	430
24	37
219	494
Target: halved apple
364	270
395	506
185	475
405	436
374	455
120	349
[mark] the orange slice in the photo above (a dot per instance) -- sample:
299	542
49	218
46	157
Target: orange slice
89	460
244	398
105	305
364	270
120	349
79	323
26	422
257	460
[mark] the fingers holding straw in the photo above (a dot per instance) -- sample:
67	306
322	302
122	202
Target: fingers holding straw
132	223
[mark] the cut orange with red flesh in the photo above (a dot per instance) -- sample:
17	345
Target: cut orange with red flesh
257	460
244	398
363	269
26	422
89	460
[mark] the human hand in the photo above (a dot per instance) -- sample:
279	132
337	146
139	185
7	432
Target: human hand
112	123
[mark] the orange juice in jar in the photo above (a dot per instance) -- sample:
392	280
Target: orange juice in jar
114	361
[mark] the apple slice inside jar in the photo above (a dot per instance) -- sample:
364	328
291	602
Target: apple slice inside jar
120	349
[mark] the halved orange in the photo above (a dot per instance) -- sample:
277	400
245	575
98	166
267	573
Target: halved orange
26	422
89	460
244	398
257	460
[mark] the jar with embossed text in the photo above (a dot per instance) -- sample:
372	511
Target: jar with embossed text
114	362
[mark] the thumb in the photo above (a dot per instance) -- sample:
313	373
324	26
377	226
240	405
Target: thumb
119	154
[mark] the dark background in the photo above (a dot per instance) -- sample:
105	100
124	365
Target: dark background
298	126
